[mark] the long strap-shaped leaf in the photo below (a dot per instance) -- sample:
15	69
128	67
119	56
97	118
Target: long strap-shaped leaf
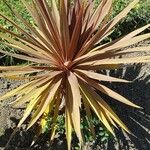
75	36
74	102
89	116
65	36
102	12
121	15
18	90
45	102
102	104
133	50
37	18
21	47
98	76
33	102
127	40
29	86
26	51
109	92
107	28
94	105
27	58
55	13
39	37
24	68
98	54
140	59
34	46
126	37
43	7
68	125
31	91
30	42
75	88
107	109
21	30
6	74
55	116
125	43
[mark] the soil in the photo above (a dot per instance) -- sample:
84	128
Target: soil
138	121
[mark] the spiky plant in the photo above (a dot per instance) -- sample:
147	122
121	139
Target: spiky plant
64	50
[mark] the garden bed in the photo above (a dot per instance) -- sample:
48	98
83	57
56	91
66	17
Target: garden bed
138	121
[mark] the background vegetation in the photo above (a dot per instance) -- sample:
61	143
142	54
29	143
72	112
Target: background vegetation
138	17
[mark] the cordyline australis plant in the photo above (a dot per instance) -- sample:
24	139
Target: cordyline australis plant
65	51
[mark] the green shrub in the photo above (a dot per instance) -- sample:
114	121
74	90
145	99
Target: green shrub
8	60
138	17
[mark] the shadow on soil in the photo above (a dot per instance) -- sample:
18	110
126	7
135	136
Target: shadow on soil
138	121
23	140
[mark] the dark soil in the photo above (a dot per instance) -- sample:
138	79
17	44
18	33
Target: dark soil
138	121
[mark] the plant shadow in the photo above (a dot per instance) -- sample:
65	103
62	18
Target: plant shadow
27	140
137	120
